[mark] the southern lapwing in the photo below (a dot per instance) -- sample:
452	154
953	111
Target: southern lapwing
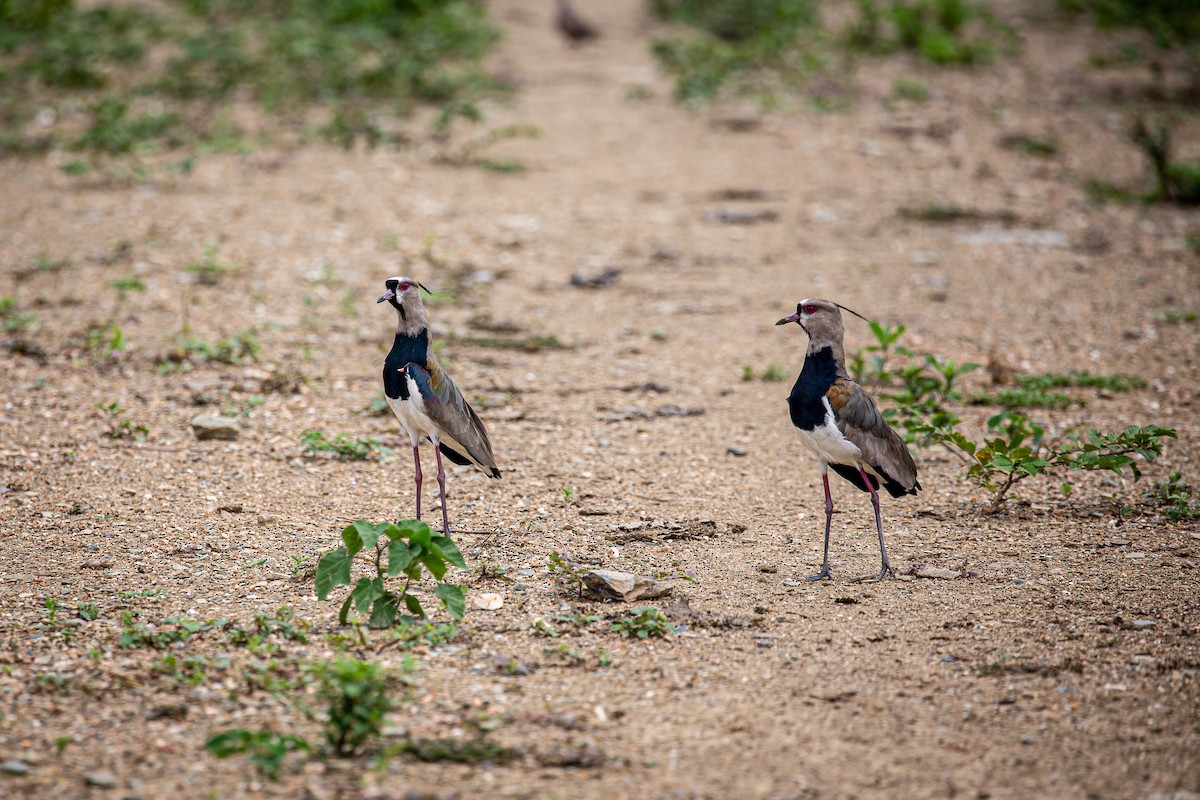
425	399
840	423
571	25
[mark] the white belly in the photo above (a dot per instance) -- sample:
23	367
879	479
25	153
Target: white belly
412	416
827	443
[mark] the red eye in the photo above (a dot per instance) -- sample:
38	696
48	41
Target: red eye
404	287
810	309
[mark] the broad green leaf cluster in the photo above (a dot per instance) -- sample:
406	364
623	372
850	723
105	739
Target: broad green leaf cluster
405	549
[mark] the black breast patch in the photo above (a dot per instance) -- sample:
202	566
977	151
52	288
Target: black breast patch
405	350
806	402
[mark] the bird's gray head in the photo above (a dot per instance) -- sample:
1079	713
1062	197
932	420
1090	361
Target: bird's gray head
405	296
820	319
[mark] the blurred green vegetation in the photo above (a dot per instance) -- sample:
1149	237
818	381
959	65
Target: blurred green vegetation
761	47
949	32
1172	24
751	46
122	78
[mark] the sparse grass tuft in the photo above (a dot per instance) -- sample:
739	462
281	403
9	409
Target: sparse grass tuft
947	32
1176	496
646	622
190	350
754	47
344	446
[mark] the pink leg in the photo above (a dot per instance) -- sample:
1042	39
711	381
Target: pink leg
441	478
887	568
825	573
417	476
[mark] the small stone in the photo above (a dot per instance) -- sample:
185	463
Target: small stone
614	585
680	411
1142	624
736	452
571	755
1019	581
102	779
927	571
488	601
949	659
211	426
14	767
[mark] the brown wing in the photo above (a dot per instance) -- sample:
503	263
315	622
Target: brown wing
462	431
859	420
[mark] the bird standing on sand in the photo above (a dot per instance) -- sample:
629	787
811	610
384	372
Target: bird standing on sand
425	399
840	423
571	25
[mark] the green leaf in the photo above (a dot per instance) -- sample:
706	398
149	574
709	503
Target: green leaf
414	605
366	591
333	570
454	598
447	549
400	557
434	563
228	743
362	535
383	613
416	531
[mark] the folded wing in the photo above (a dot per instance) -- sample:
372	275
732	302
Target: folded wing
883	450
463	438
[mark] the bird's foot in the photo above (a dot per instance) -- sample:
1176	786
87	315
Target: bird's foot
883	573
823	574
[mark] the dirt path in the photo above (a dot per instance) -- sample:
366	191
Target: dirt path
1037	676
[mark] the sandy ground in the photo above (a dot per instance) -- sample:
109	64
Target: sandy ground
1063	666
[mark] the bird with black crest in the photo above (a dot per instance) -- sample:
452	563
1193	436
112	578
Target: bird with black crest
423	397
840	424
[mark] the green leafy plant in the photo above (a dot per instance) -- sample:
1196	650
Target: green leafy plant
210	269
282	623
189	350
1174	316
1176	180
1018	450
344	446
121	427
416	632
773	373
1030	145
1034	391
126	285
12	318
556	625
358	68
138	635
266	750
106	341
750	46
908	89
358	698
957	32
565	573
645	623
115	131
1176	496
411	548
188	669
1170	24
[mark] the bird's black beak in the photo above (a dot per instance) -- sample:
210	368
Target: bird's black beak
388	295
789	318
